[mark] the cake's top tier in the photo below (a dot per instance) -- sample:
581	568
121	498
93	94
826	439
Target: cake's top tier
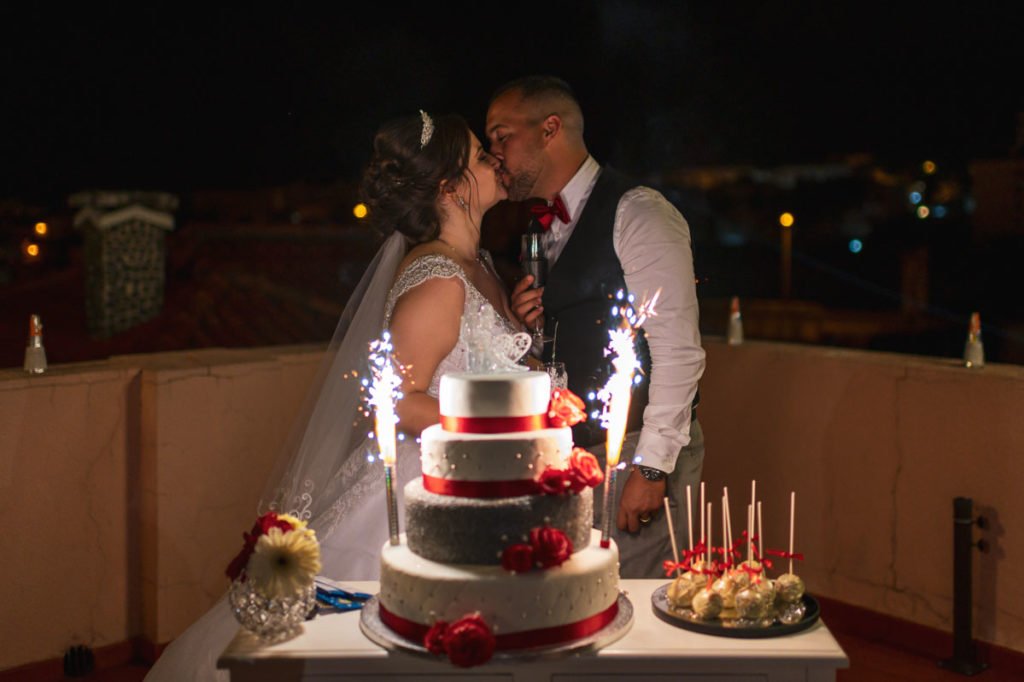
503	394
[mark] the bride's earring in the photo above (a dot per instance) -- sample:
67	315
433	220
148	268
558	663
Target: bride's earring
461	202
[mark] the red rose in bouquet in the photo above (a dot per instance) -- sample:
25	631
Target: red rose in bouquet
585	468
262	526
551	547
565	408
555	481
434	639
469	642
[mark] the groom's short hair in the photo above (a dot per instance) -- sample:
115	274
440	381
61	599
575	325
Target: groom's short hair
550	94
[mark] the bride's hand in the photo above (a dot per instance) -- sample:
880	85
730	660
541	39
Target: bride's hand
526	302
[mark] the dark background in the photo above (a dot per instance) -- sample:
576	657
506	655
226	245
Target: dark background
200	101
177	98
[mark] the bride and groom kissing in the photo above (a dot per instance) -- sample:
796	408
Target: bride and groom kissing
428	185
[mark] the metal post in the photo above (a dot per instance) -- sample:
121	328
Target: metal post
965	653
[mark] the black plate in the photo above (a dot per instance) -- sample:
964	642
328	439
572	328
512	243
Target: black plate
659	602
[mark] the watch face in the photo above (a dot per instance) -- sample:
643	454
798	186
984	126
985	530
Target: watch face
651	474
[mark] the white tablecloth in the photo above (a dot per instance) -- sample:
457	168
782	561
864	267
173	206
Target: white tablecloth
333	647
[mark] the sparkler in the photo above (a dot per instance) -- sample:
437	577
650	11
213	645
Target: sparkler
383	394
616	393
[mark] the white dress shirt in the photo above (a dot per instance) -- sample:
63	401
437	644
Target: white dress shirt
652	241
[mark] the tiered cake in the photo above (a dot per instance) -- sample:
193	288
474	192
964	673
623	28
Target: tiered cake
500	525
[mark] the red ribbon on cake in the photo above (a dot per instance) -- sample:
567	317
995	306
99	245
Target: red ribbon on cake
533	422
486	489
514	640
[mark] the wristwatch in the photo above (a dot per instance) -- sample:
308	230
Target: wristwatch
650	473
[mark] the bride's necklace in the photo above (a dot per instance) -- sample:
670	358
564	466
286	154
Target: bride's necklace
477	257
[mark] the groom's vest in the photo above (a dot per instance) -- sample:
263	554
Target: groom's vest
580	293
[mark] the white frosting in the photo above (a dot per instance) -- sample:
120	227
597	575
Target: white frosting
425	591
503	394
493	457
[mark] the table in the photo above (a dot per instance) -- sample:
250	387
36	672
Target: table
333	647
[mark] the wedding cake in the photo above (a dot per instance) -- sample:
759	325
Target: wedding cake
499	533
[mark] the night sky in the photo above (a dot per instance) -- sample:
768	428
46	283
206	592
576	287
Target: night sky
179	98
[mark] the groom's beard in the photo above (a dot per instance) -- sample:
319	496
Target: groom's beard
520	185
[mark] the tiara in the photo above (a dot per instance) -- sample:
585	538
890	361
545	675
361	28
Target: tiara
428	129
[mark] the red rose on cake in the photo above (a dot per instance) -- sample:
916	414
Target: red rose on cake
434	639
565	408
585	468
556	482
469	642
517	558
551	547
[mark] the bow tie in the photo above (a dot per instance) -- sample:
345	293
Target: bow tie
545	214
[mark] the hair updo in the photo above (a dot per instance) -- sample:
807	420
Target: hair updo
402	182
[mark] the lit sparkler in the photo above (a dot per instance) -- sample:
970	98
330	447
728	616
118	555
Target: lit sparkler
616	393
383	394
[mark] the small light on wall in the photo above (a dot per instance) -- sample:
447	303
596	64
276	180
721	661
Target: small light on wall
786	220
360	211
42	229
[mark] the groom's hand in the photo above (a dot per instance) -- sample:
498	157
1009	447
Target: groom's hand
526	302
640	497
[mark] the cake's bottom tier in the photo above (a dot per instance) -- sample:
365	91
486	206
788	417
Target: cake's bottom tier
556	604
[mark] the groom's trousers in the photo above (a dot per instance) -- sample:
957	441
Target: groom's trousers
641	554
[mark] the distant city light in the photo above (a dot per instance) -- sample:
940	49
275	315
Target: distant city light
928	167
940	211
786	220
915	197
856	246
360	211
41	229
923	212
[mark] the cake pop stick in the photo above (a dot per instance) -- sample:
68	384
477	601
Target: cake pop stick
702	512
709	536
725	526
672	536
760	533
689	519
792	519
750	533
728	525
750	519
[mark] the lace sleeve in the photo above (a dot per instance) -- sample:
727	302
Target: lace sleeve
419	271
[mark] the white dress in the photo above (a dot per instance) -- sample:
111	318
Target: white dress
360	513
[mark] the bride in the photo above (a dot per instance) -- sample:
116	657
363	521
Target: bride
428	184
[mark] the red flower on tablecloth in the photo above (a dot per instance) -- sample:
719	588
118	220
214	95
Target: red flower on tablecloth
551	547
517	558
236	569
434	639
556	481
565	408
468	642
585	468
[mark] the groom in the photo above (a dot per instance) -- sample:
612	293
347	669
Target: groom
604	233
